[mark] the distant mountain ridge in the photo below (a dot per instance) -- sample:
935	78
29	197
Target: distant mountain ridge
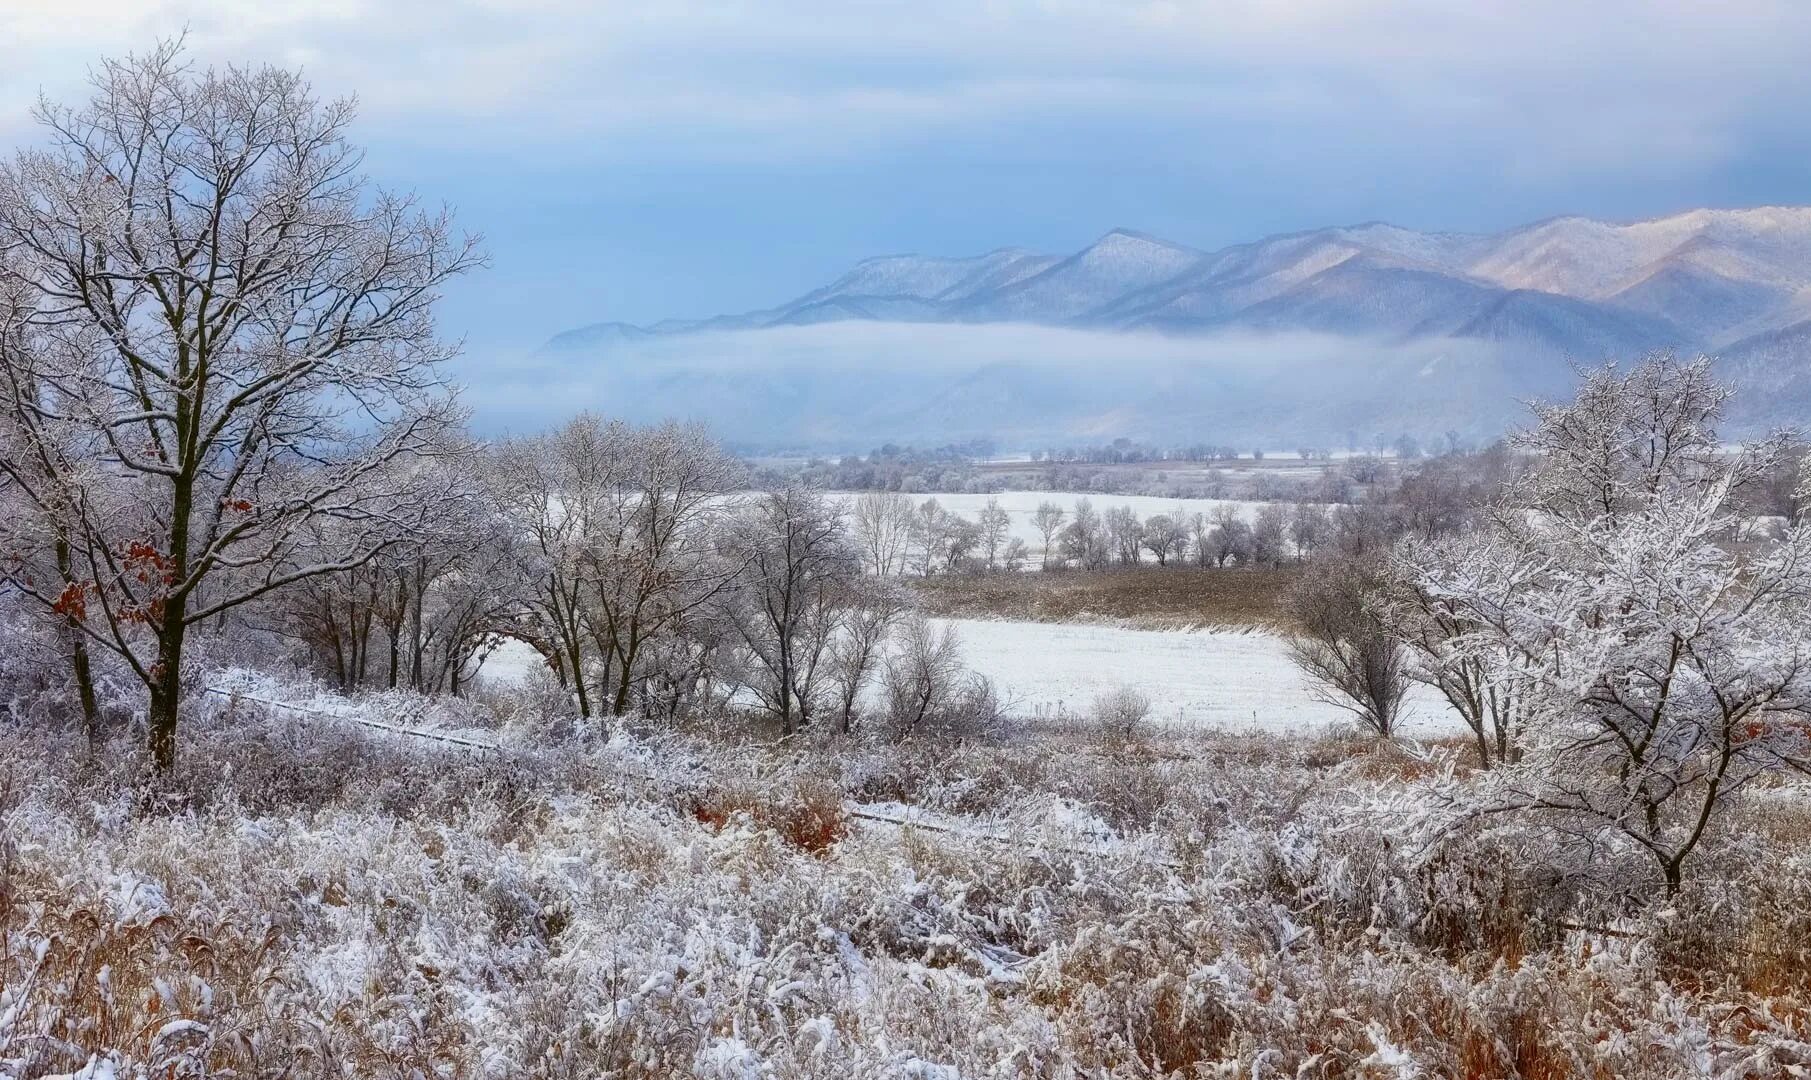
1700	279
1736	283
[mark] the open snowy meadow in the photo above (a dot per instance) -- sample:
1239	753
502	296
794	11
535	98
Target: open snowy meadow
1221	680
1224	680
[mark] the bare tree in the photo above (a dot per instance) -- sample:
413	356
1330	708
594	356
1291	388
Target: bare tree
881	522
1351	659
1230	539
800	563
1126	533
928	690
40	525
1307	529
246	336
652	556
869	610
1270	535
931	526
1084	540
554	490
1048	519
1164	536
995	524
1201	539
1441	634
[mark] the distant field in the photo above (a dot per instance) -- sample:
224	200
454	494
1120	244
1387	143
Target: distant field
1220	680
1151	596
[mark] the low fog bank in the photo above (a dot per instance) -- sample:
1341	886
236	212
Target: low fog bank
851	385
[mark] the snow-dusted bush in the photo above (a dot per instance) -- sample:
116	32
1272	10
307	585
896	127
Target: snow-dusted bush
1120	713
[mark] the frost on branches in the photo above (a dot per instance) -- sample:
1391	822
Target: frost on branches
1659	669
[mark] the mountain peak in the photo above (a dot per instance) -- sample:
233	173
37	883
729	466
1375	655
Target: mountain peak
1122	236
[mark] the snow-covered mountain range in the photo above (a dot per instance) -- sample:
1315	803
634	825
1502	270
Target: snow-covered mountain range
1736	283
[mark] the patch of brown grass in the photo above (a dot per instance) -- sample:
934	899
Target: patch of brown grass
808	814
1152	595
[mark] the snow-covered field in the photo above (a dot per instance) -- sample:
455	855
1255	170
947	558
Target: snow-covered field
1227	680
1224	680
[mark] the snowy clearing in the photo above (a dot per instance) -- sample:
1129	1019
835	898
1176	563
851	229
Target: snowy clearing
1227	680
1220	679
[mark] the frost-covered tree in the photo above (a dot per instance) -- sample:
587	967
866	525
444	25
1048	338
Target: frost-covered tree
652	558
619	532
1049	521
995	525
1230	538
1084	540
241	331
869	609
418	614
1307	529
1125	533
881	524
1270	534
1659	669
931	529
42	467
928	689
1449	649
554	491
800	563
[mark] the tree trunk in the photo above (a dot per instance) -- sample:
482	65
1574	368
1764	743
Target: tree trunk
166	674
166	693
84	686
626	680
78	648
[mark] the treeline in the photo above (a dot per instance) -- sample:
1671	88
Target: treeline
900	534
948	468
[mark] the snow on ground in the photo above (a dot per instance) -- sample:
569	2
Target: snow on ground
1222	679
509	663
1230	680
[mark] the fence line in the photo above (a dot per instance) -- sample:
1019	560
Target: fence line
457	740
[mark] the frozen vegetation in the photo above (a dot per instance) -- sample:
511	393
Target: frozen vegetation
311	897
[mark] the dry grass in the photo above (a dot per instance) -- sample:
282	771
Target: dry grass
1149	596
1178	906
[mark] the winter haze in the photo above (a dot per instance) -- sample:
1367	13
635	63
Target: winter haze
1317	338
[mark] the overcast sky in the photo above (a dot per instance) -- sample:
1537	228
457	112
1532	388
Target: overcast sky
643	160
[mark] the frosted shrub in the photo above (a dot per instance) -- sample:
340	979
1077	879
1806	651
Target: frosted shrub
1120	714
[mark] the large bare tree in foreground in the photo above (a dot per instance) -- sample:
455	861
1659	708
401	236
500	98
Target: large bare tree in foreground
236	327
